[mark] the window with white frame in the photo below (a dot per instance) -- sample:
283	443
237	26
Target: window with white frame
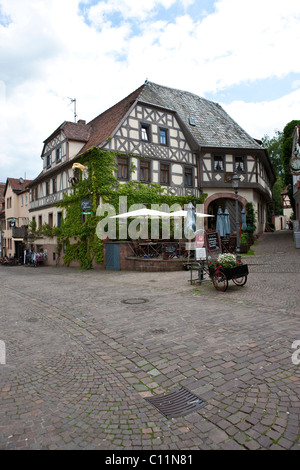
145	132
239	164
218	162
163	136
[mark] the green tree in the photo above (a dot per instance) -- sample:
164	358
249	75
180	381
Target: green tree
287	145
287	148
274	147
280	149
277	189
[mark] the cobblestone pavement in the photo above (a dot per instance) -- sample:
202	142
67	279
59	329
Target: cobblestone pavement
85	349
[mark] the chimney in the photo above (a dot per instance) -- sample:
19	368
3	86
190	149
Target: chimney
81	121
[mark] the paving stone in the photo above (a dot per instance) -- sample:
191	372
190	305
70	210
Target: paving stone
81	363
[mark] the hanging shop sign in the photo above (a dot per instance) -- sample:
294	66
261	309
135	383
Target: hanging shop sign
86	206
12	221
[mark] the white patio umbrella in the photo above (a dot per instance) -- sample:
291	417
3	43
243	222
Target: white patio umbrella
143	213
140	213
183	213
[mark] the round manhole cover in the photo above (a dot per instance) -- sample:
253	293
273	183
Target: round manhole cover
135	301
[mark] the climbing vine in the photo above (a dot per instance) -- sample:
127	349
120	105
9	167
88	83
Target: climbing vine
77	232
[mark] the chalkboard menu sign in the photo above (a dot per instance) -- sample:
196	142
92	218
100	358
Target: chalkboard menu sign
213	241
170	249
86	205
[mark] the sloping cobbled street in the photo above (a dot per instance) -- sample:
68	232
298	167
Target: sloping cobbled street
85	349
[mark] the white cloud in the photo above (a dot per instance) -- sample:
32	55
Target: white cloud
127	9
48	52
264	118
251	41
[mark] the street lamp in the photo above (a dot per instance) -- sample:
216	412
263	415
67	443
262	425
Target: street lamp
235	185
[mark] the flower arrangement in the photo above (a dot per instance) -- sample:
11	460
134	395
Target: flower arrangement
226	260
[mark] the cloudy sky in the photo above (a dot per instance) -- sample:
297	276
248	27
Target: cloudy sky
241	54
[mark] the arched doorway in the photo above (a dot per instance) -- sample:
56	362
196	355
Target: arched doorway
223	201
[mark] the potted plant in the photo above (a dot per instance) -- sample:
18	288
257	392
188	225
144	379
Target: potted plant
251	222
244	245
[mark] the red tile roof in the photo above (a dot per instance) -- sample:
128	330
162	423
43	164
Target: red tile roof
76	131
16	184
73	131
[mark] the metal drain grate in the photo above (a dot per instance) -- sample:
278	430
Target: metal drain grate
180	402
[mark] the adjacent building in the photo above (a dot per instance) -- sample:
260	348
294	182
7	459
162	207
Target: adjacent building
296	177
2	216
15	218
185	143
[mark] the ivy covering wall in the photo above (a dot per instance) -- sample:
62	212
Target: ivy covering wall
79	237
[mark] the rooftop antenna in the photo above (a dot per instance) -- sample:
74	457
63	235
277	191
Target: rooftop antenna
73	100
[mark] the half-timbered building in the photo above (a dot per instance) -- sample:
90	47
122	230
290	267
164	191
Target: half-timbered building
177	139
296	175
